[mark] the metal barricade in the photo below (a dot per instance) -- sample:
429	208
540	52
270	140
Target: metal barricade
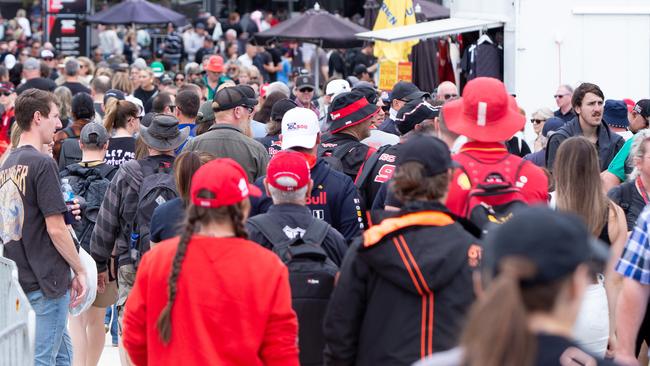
17	319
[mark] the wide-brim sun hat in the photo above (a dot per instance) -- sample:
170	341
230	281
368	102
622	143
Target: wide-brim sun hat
486	112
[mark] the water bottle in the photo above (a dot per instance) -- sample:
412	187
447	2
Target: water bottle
68	197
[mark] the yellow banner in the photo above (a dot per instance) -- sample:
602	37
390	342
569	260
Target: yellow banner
390	72
394	13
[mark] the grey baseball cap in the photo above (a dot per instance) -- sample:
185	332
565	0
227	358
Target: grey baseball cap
31	64
94	134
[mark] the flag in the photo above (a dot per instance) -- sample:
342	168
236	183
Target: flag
394	13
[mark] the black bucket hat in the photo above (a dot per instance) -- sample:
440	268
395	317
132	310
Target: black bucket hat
163	133
350	109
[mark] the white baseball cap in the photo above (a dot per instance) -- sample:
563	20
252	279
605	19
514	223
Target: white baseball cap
300	128
137	102
337	86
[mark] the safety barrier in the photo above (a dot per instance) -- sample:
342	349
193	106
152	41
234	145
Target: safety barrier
17	319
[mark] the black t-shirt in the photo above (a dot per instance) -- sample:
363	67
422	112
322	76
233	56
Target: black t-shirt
120	150
362	58
167	220
276	57
76	87
628	197
381	173
30	191
261	59
144	95
554	350
37	83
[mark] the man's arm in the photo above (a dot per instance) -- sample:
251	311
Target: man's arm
630	311
62	240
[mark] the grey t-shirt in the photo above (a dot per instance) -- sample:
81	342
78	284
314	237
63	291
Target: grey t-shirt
29	192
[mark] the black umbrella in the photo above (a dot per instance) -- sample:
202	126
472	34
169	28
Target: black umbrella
425	62
370	11
314	26
431	10
137	12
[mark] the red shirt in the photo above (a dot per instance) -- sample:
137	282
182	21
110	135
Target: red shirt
534	182
5	129
233	306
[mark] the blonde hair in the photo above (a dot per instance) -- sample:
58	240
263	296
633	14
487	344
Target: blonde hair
542	113
122	82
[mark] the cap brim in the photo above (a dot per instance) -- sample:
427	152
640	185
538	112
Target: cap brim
494	131
304	141
254	191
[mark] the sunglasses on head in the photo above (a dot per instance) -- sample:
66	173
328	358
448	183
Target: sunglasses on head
537	121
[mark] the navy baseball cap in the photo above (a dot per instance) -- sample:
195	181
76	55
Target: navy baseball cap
407	91
113	93
429	151
615	113
555	242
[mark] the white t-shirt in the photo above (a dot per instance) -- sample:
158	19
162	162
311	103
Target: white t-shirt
245	60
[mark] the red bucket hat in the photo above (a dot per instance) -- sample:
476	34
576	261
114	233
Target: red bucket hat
485	112
226	180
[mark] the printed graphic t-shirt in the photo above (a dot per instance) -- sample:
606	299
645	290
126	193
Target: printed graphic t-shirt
29	192
120	150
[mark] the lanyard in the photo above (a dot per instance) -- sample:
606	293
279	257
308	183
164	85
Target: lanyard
644	194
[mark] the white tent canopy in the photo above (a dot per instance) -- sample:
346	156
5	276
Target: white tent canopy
432	29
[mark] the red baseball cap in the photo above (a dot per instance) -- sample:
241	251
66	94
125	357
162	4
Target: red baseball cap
486	112
288	171
215	64
226	180
629	103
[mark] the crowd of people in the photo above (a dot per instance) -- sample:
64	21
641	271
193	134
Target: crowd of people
332	224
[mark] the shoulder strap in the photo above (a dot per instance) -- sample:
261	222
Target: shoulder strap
265	224
69	131
369	166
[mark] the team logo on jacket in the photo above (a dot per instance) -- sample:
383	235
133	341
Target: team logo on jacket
293	233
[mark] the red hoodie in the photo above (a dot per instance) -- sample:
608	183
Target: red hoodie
233	306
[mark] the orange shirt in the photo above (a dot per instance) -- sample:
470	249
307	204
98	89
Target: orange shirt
534	181
233	306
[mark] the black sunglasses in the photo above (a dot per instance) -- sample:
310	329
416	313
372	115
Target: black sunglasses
449	96
306	90
48	58
537	121
5	94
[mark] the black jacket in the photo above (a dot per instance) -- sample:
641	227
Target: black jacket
352	152
334	198
403	290
609	143
293	218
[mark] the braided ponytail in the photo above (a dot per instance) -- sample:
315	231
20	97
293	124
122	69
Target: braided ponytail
164	324
236	212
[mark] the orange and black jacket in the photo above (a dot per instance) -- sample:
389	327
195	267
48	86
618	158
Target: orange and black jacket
403	289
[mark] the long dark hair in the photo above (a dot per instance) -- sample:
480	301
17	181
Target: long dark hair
497	331
195	215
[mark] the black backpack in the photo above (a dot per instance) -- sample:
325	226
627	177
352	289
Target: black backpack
157	187
89	184
311	276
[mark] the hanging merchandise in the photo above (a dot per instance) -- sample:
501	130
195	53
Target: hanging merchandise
484	58
445	69
454	58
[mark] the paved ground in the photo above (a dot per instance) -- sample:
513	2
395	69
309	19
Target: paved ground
110	356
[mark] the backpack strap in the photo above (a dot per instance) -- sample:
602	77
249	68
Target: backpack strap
369	166
268	227
69	131
316	232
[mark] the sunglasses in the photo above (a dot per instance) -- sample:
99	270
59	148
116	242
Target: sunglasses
5	94
48	58
558	96
306	90
449	96
537	121
180	79
248	108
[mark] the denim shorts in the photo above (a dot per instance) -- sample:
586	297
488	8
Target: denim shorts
53	346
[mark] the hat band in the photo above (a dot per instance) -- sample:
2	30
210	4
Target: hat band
161	135
349	109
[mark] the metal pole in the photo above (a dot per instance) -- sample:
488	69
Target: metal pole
317	73
290	3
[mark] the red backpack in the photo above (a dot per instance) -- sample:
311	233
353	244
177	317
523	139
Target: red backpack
494	195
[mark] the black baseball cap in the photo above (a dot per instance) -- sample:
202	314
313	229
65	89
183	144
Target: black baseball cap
229	98
407	91
555	242
304	81
113	93
642	107
94	134
281	107
429	151
360	69
415	112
